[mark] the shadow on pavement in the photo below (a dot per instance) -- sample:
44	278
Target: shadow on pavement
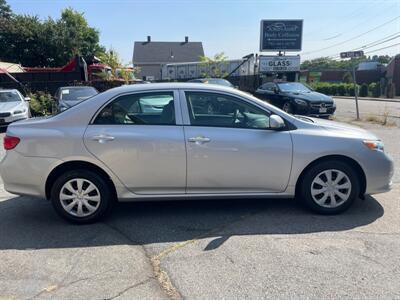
27	223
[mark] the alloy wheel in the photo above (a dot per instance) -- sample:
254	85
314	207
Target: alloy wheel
331	188
80	197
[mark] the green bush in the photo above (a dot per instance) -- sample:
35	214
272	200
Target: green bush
341	89
41	104
375	89
364	90
350	90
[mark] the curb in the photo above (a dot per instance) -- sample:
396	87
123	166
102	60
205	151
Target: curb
368	99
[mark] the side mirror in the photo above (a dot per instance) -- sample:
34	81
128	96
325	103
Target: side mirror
27	99
276	122
276	91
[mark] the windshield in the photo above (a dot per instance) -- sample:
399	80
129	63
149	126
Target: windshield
293	87
76	94
220	82
10	96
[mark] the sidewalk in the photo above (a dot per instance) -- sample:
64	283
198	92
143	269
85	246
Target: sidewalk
397	100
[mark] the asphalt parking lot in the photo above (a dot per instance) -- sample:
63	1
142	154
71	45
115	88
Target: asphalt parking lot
205	249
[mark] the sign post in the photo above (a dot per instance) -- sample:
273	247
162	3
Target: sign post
351	55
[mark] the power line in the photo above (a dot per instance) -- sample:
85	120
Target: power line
384	40
353	28
372	44
354	37
391	46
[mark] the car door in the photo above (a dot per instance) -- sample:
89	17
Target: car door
267	92
233	150
139	136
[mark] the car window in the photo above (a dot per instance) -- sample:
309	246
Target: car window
10	96
76	94
136	109
268	86
219	110
293	87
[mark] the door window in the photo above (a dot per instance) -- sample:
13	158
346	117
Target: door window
269	86
219	110
148	109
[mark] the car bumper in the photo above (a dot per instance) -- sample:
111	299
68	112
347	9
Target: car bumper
314	111
25	175
379	170
8	120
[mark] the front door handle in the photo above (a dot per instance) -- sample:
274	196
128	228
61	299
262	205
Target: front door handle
103	138
199	139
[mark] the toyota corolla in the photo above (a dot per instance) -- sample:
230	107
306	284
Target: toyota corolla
111	148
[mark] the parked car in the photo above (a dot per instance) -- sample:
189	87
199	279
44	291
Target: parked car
218	81
296	98
108	148
13	107
69	96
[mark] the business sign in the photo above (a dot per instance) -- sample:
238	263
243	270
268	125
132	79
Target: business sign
281	35
351	54
276	64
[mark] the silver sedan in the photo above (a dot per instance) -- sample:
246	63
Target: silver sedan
159	142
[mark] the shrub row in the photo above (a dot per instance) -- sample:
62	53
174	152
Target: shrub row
347	89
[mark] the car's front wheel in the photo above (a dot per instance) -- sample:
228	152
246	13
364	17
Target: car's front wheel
81	196
329	187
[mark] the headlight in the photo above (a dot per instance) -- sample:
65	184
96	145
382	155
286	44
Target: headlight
19	111
374	145
300	102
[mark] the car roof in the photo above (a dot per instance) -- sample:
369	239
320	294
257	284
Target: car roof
76	87
9	90
170	85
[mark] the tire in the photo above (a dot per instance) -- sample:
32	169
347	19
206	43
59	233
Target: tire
100	200
287	107
318	197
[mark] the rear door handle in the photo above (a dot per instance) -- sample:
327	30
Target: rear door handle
103	138
199	139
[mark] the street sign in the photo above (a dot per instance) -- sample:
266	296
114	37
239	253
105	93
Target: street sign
351	54
278	64
281	35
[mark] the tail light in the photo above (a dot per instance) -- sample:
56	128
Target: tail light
10	142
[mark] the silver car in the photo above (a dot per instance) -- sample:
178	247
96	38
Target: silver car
111	148
13	107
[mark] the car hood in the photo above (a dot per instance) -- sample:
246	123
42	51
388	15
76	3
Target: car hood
343	128
8	106
310	96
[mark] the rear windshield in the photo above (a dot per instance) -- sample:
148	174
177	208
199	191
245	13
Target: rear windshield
77	94
9	96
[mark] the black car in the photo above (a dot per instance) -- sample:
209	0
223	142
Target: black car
296	98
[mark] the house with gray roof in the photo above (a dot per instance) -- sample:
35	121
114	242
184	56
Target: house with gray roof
150	56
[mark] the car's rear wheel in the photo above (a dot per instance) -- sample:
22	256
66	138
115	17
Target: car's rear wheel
329	187
287	107
81	196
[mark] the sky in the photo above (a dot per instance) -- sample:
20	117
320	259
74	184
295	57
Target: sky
233	27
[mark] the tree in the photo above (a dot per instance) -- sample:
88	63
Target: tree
347	78
5	10
118	68
31	42
214	66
